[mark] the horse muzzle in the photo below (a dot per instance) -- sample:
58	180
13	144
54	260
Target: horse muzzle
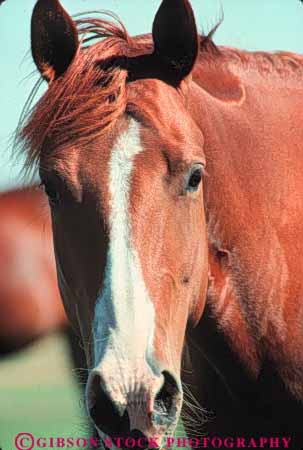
124	402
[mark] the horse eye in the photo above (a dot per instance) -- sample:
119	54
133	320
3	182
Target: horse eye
51	192
195	178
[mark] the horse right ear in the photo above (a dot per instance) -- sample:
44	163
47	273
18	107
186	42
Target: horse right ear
175	38
54	39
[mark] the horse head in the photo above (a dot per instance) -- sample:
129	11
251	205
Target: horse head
122	162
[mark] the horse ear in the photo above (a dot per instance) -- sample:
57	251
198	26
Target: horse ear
175	37
54	39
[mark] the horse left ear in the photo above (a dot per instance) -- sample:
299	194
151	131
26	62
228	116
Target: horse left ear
175	37
54	39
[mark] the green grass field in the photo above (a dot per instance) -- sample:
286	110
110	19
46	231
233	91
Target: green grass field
38	394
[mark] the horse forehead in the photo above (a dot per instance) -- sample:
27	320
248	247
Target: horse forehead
119	155
164	109
156	100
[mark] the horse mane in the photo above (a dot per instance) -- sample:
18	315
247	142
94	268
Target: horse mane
279	63
89	98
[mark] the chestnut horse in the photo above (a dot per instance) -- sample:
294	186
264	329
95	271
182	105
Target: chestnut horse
121	139
30	303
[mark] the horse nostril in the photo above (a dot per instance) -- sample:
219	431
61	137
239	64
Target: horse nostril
167	401
112	418
108	416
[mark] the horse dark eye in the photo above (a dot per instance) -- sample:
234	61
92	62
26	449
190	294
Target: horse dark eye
195	179
51	192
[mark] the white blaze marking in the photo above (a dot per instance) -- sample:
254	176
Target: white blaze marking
124	313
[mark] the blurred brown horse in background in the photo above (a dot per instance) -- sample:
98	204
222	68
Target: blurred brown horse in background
30	303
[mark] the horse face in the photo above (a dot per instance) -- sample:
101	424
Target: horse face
130	238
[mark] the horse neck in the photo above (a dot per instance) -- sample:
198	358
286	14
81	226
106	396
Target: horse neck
253	272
